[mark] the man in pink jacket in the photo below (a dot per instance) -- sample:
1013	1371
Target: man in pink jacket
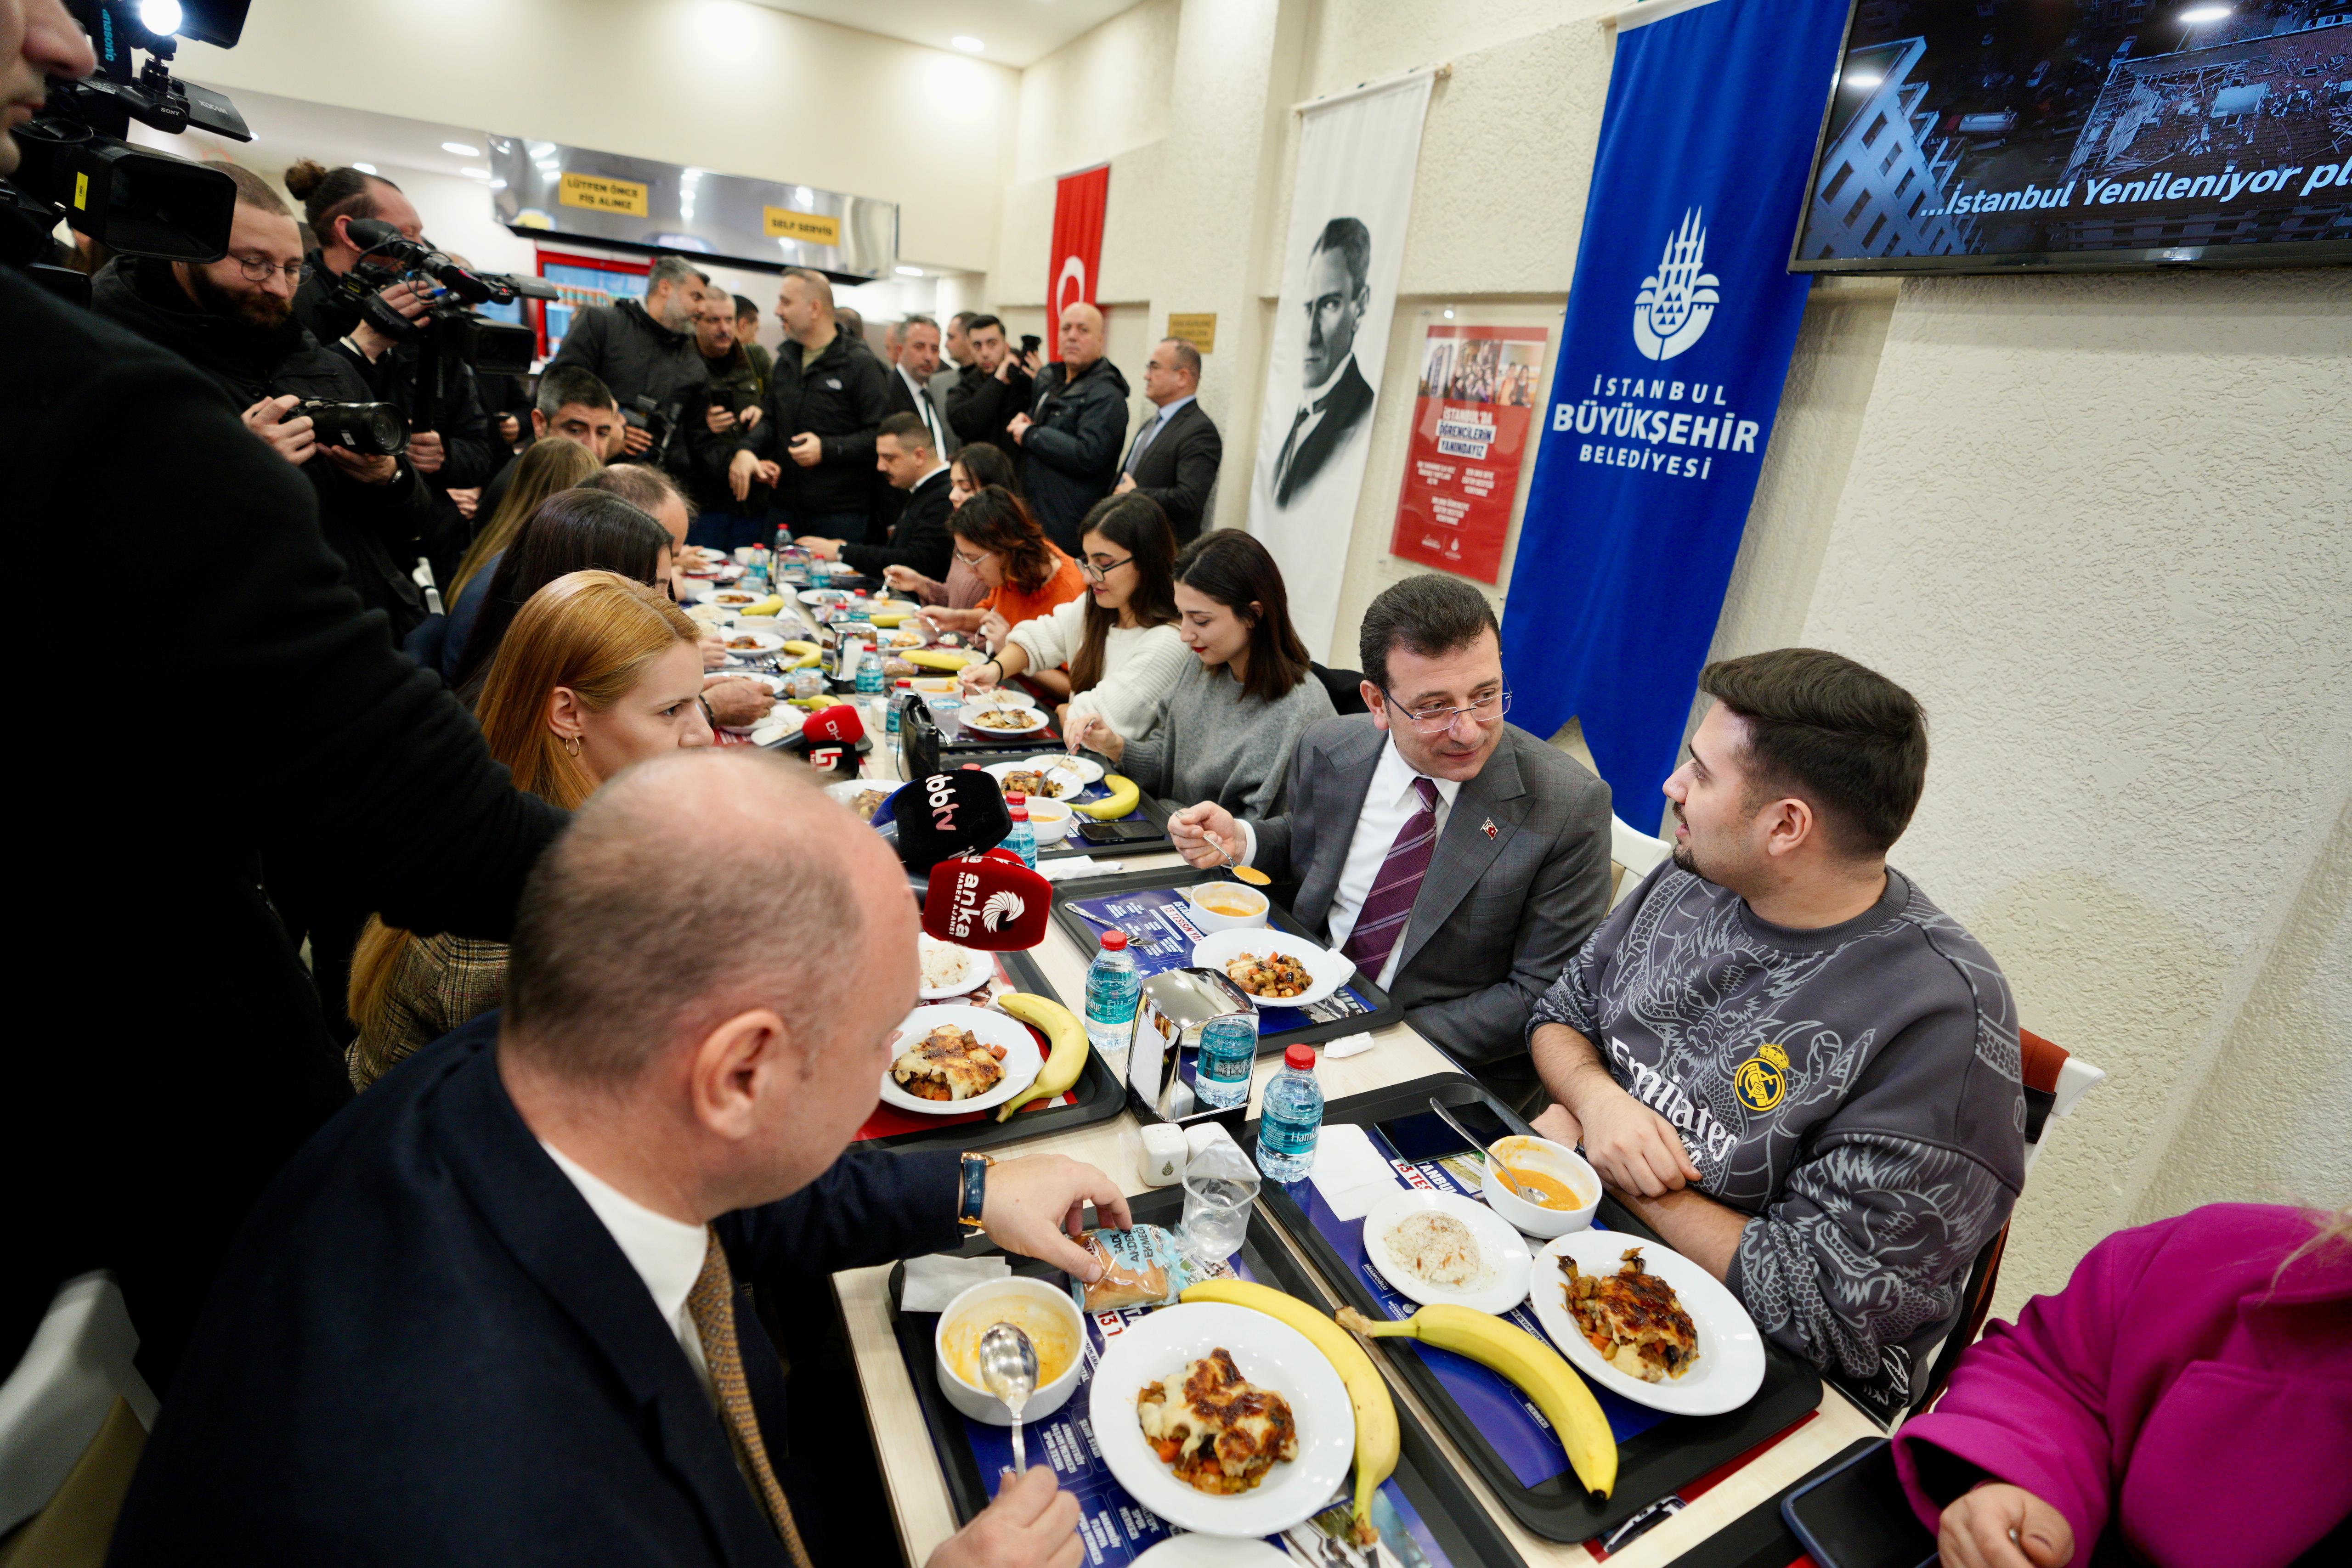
2185	1401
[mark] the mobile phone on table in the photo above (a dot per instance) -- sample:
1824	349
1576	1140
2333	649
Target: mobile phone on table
1120	833
1858	1516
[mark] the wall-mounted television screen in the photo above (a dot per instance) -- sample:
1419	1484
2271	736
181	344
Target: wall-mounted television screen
1987	135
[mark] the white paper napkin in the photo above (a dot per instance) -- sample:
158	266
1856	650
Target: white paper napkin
934	1281
1348	1045
1350	1173
1075	867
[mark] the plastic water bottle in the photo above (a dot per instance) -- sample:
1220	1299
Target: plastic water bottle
869	672
1220	1077
1113	985
898	694
1290	1118
1022	840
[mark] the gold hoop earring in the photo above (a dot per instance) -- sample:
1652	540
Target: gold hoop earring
572	747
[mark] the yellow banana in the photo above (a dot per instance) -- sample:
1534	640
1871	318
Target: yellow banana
771	605
1376	1418
1538	1370
1063	1032
1121	800
809	656
940	658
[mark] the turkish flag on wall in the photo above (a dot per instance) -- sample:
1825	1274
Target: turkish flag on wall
1078	202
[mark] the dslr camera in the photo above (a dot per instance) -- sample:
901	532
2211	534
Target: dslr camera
77	167
370	429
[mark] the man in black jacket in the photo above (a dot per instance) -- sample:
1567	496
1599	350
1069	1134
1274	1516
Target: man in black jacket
992	391
297	728
1175	457
736	385
498	1309
814	441
233	319
1071	437
919	538
648	350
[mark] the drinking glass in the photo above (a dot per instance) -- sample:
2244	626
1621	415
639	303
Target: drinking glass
1220	1185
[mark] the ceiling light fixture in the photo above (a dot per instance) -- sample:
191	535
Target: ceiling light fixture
364	168
967	42
2196	14
461	150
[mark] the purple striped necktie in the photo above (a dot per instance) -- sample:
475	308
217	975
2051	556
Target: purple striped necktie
1381	920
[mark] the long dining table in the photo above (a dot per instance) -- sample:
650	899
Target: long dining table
920	1506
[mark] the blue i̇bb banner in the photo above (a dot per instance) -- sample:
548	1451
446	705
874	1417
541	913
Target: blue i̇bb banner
1680	323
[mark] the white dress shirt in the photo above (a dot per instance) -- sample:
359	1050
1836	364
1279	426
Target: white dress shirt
1154	432
926	409
1310	404
667	1253
1388	804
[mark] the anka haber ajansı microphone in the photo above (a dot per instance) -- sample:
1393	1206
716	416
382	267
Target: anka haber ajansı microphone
995	904
944	814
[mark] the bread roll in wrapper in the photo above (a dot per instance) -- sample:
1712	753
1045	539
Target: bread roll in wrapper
1145	1267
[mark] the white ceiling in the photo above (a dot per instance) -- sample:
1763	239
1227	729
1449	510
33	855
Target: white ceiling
1017	33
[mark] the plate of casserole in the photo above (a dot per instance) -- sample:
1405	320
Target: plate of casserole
1647	1324
1220	1419
955	1059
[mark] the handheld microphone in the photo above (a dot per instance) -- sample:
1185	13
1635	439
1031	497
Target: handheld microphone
981	902
945	814
838	725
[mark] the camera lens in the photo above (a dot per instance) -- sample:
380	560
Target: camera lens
372	429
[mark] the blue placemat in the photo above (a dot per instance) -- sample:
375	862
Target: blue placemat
1161	933
1513	1425
1116	1530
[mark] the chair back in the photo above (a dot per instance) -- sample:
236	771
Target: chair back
55	1401
1345	687
1633	855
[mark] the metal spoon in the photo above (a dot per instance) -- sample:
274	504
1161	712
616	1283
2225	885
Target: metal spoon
1248	874
1008	1366
1496	1165
1085	914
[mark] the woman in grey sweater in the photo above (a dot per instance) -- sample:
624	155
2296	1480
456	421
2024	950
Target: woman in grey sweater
1240	706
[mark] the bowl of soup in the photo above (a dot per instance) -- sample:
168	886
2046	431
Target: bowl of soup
1566	1189
1046	1315
1226	905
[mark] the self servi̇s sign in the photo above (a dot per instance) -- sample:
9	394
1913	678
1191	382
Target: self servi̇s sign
1679	327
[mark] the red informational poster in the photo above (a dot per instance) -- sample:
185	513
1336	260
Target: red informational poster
1079	201
1479	390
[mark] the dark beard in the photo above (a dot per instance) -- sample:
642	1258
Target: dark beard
263	313
1685	861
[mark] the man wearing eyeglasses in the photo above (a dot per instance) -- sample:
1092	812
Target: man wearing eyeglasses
234	320
1459	860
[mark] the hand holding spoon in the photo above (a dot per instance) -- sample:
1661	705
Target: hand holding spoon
1008	1367
1248	874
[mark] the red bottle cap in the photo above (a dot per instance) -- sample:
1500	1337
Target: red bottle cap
1299	1056
1114	941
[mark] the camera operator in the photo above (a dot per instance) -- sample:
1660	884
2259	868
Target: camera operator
463	452
234	320
736	386
297	726
647	354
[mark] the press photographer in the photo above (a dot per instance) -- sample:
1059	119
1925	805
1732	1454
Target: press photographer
234	320
647	354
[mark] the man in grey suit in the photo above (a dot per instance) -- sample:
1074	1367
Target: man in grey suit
1459	860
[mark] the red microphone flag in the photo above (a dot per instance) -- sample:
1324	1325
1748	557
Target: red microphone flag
985	902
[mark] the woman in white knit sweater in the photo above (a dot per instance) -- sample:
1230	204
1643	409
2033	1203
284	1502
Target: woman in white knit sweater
1115	654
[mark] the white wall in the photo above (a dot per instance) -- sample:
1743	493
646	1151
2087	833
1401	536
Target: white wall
2099	525
718	83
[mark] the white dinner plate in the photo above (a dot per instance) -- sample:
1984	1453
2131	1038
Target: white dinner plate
1503	1252
733	598
1023	1061
1032	720
1327	969
977	968
847	791
1190	1550
1270	1353
764	643
775	684
1730	1365
825	596
1068	780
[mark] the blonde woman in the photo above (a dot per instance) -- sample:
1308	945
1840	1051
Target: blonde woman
596	672
542	470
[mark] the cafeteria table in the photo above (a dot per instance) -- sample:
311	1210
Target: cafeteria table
921	1508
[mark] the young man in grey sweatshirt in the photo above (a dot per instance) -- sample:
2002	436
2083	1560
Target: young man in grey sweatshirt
1777	1052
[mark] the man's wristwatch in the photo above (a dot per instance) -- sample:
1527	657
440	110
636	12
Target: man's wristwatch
975	1189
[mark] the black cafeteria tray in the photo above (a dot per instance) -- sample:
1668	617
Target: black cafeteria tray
1651	1464
1101	1094
1762	1538
1072	847
1084	933
1464	1531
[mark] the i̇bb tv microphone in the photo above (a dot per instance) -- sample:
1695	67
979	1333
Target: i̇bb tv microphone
944	814
981	901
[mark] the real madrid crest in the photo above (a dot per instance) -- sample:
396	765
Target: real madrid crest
1762	1079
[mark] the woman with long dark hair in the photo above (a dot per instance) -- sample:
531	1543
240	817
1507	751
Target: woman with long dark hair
1026	574
549	466
573	530
1238	709
1114	652
969	471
